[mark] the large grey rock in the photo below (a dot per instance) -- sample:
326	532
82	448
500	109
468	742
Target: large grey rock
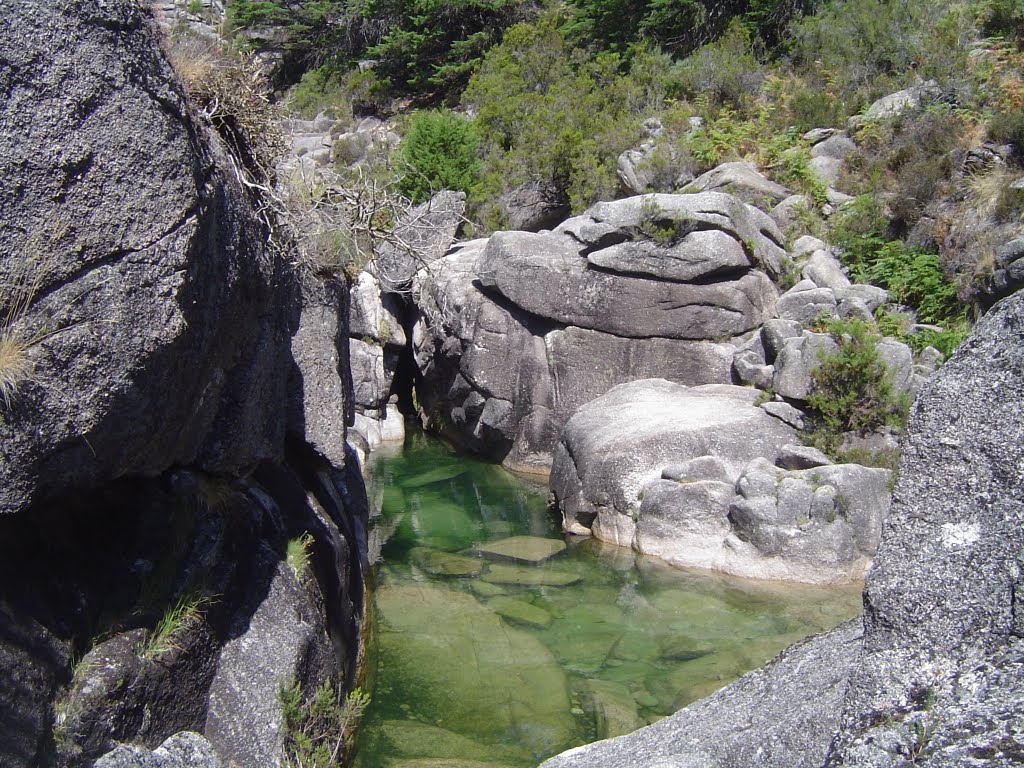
897	103
546	276
780	716
705	210
506	382
823	268
534	206
186	749
836	145
817	525
159	320
805	302
797	360
614	446
697	255
940	677
743	180
373	314
320	404
276	640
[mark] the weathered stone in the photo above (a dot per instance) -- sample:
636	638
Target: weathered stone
743	180
787	212
826	169
534	206
320	404
942	627
426	233
786	413
522	549
805	303
275	639
823	268
373	314
371	379
897	103
701	468
750	371
774	334
801	457
548	278
872	296
697	255
162	320
797	360
612	447
706	210
836	145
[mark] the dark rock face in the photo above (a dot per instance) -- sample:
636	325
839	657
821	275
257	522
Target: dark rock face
184	417
937	677
159	321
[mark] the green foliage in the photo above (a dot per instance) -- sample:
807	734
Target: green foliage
868	48
297	555
440	151
724	73
1001	18
914	277
852	389
318	727
186	610
552	116
319	90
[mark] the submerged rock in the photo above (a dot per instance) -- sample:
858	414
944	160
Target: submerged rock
522	549
519	693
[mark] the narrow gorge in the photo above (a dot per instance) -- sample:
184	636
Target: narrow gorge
283	451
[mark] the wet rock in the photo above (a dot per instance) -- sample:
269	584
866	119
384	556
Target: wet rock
519	612
526	576
615	711
439	563
791	705
405	739
522	549
531	705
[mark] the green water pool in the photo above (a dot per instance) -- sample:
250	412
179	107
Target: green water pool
500	659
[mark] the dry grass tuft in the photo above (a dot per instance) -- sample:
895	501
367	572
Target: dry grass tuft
15	367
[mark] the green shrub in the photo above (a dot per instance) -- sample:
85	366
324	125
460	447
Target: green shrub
852	389
915	278
440	151
553	117
318	728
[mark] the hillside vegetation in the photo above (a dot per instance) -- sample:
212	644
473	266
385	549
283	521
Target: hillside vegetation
551	93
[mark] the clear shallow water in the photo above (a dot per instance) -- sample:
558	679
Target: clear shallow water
480	662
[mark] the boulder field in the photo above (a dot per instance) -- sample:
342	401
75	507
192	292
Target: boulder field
591	353
934	673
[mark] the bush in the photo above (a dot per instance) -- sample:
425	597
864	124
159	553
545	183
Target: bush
553	117
440	151
852	389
